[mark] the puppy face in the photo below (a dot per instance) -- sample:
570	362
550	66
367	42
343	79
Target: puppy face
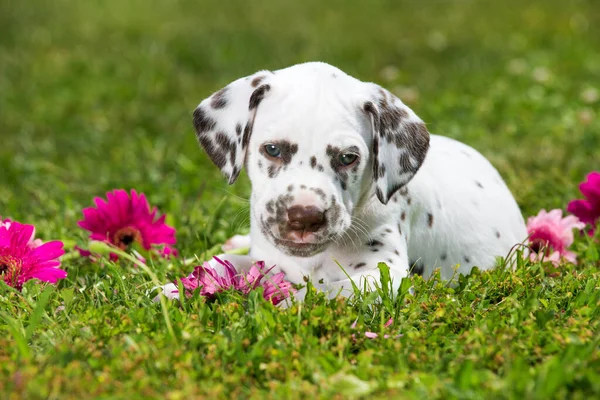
315	142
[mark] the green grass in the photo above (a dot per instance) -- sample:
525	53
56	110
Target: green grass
98	95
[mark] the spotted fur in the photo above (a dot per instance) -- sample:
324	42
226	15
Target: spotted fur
314	113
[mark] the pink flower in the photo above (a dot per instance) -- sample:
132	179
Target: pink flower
33	243
21	261
373	335
550	232
124	220
209	282
588	211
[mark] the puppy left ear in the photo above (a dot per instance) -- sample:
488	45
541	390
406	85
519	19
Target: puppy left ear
224	121
400	142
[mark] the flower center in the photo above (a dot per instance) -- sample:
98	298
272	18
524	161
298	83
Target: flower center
10	269
124	237
543	238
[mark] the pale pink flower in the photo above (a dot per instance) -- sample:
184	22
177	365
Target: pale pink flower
209	282
550	232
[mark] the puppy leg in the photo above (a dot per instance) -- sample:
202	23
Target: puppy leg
236	242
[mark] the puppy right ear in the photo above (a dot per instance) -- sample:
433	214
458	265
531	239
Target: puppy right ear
224	121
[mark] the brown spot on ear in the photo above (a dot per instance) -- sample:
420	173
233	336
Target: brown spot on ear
429	219
256	81
202	122
257	96
218	100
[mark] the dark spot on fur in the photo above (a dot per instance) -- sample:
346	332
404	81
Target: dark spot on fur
373	242
202	122
360	265
273	170
429	219
416	267
396	252
257	81
257	96
374	249
290	188
443	256
313	162
498	234
408	201
403	191
467	259
270	205
479	184
302	186
403	216
388	230
218	100
238	129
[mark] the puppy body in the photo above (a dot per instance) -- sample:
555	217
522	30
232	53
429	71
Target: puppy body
345	176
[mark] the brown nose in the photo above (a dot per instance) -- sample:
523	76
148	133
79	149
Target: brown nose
305	218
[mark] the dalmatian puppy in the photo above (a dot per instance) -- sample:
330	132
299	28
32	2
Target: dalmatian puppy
344	176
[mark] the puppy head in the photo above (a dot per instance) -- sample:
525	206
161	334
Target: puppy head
315	142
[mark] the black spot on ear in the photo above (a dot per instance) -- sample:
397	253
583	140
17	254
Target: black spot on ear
257	81
202	122
479	184
218	99
429	219
247	133
257	96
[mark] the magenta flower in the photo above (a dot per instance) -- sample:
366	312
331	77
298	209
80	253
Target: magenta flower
124	220
588	211
209	282
33	243
549	232
21	260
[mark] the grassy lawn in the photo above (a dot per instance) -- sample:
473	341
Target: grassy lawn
97	95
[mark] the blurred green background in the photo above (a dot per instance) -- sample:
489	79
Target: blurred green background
96	95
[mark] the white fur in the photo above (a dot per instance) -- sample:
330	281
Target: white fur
474	217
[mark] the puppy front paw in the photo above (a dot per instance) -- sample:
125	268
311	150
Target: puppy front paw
236	242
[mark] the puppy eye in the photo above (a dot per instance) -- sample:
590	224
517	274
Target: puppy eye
272	149
348	159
